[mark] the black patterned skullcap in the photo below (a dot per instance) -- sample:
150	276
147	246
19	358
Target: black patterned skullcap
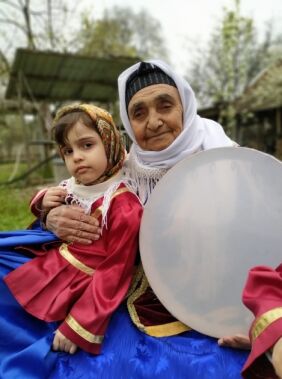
146	75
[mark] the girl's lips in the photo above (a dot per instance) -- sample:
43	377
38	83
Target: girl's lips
81	169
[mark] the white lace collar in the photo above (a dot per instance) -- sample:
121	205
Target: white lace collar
84	196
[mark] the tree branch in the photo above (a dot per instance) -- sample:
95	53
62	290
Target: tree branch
11	4
13	22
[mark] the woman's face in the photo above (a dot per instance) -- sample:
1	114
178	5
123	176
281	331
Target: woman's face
156	116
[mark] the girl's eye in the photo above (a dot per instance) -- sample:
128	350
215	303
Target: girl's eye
66	151
87	145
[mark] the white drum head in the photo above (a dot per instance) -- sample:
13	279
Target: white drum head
208	221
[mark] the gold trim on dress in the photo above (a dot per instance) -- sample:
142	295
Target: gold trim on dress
264	321
134	296
163	330
64	251
120	191
98	211
136	279
82	332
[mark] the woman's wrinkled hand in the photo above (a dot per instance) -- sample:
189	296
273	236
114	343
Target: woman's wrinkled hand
61	343
71	224
239	341
277	357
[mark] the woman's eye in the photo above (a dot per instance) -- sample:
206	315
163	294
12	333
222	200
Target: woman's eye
138	113
166	105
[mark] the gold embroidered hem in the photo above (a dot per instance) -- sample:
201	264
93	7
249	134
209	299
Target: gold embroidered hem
264	321
64	251
136	279
135	295
163	330
79	329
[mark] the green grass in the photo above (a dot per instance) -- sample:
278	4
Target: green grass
38	176
15	198
15	213
7	168
14	202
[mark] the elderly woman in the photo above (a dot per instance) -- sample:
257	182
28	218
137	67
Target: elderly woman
158	110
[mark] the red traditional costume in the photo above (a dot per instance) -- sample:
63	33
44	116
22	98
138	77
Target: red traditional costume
263	296
83	284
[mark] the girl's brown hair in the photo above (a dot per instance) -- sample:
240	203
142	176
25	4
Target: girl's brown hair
62	127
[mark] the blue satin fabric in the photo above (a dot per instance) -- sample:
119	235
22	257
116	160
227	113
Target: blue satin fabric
24	340
32	236
127	353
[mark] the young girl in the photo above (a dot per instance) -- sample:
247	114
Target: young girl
78	285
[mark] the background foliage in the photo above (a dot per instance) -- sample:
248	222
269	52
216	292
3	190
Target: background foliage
15	213
233	58
220	73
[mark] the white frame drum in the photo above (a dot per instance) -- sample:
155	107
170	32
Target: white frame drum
208	221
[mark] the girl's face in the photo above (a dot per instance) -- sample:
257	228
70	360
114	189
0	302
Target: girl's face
84	154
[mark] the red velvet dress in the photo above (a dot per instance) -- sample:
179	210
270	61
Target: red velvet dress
263	296
82	285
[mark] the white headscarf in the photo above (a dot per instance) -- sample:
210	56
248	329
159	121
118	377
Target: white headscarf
198	133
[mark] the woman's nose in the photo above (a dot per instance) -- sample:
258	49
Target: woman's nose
154	121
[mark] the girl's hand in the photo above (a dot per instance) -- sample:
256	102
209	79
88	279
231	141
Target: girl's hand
239	341
61	343
277	357
53	197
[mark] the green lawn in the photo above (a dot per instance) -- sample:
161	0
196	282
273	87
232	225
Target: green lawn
14	202
6	169
15	213
38	176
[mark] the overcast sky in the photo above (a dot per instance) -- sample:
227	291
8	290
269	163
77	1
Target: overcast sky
188	22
